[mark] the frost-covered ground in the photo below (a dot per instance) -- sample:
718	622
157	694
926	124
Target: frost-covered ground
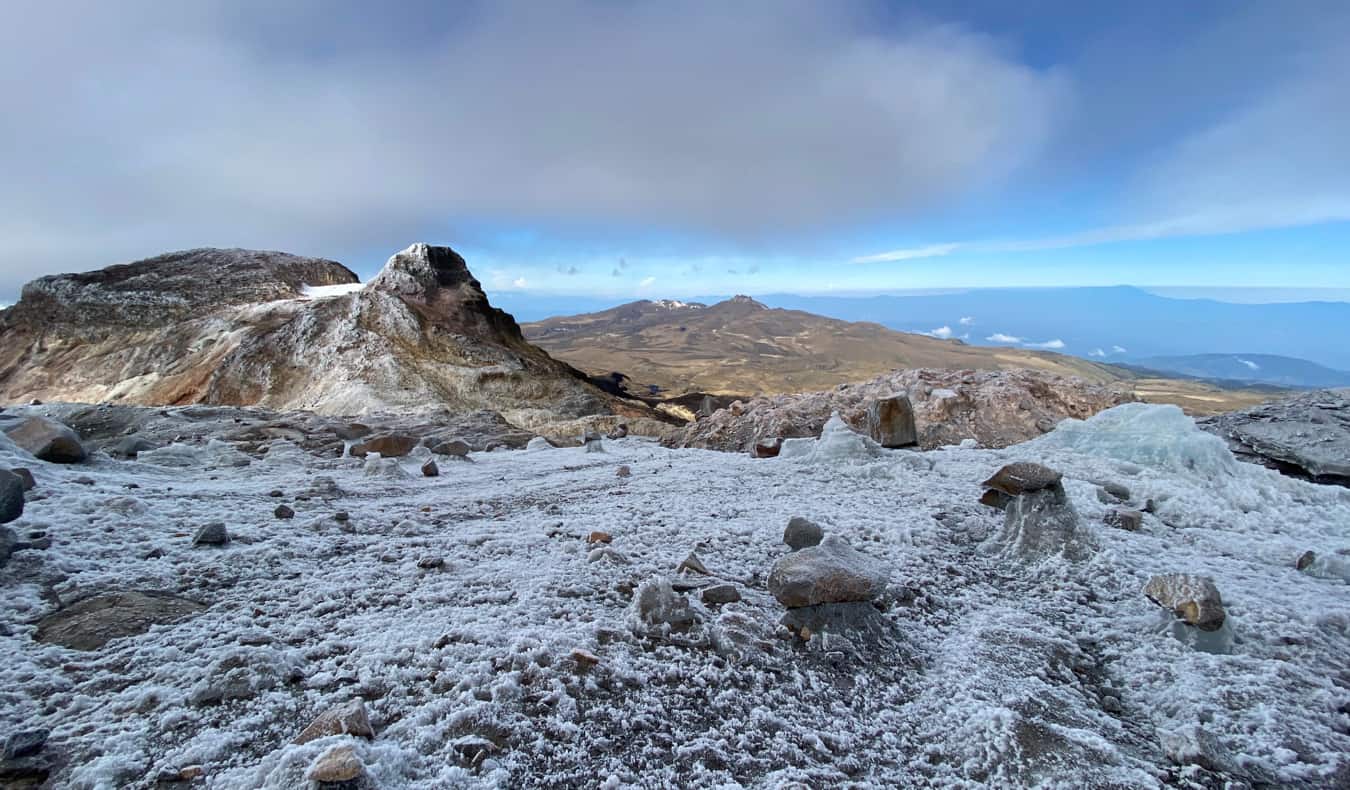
994	672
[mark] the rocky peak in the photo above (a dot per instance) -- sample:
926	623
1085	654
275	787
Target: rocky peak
747	301
172	287
436	283
423	269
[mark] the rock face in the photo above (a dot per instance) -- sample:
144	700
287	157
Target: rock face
233	327
11	496
890	422
92	622
831	572
1193	599
1306	436
45	439
996	408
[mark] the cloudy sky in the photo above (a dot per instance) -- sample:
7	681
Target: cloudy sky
672	149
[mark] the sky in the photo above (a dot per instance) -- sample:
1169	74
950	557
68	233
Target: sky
629	149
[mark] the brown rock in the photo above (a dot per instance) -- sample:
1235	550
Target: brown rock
692	564
995	499
1124	518
92	622
599	537
767	448
47	440
801	533
283	512
1193	599
1305	560
348	718
890	422
1022	477
337	765
456	447
388	445
623	471
620	431
584	659
720	594
430	469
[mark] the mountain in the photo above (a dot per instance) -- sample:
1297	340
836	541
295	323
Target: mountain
740	346
1114	324
1250	368
246	328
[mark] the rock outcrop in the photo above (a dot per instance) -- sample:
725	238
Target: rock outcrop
1305	436
234	327
995	408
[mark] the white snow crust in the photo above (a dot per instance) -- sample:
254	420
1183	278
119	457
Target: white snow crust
328	291
998	680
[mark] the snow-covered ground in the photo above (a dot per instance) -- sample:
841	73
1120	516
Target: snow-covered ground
994	673
326	291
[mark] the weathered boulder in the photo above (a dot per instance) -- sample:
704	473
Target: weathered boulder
890	422
720	594
1023	477
1193	599
802	533
456	447
337	765
213	534
831	572
767	448
47	440
1306	435
349	718
11	496
388	445
430	469
91	623
283	512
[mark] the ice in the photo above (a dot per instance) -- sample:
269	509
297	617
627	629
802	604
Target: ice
214	453
1157	436
838	443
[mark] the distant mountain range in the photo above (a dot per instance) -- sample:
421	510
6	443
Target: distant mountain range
1249	369
1115	324
740	346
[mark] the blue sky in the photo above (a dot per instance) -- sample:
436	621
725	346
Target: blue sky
625	149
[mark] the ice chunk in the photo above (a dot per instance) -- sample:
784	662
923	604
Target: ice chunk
538	443
1162	437
837	443
213	453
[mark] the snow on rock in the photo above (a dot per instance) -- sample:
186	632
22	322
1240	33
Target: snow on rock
974	670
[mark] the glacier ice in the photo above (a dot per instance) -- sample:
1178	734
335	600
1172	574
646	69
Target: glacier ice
1156	436
837	443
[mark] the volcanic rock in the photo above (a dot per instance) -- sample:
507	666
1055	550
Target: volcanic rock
802	533
92	622
45	439
832	572
1305	435
1193	599
890	422
349	718
720	594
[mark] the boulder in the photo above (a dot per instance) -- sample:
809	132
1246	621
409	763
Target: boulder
388	445
92	622
430	469
26	476
47	440
456	447
1040	524
620	431
1124	518
283	512
349	718
890	422
337	765
831	572
213	534
802	533
720	594
1193	599
767	448
11	496
1023	477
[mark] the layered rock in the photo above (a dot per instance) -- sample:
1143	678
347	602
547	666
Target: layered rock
995	408
232	327
1306	436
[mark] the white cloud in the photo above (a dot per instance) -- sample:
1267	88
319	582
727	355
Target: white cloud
1250	364
999	337
1117	350
1096	352
647	282
930	251
1052	344
943	332
519	282
967	320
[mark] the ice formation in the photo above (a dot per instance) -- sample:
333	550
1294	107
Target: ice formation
1158	436
838	443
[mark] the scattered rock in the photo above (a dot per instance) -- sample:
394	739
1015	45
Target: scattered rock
430	469
1193	599
657	604
890	422
47	440
1112	493
623	471
131	447
1124	518
213	534
692	564
831	572
802	533
25	743
584	659
767	448
339	764
1023	477
342	517
591	441
1305	560
456	447
431	563
349	718
11	496
599	537
276	493
720	594
92	622
471	750
620	431
283	512
388	445
26	476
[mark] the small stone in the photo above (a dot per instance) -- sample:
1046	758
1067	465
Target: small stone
213	534
802	533
767	448
584	659
657	604
276	493
456	447
153	554
348	718
337	765
692	564
620	431
473	749
1305	560
623	471
283	512
11	496
1122	518
84	480
1023	477
191	772
431	563
430	469
25	743
26	477
1112	705
342	517
1193	599
599	537
720	594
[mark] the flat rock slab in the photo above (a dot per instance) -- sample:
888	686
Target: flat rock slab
93	622
1023	477
1306	435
